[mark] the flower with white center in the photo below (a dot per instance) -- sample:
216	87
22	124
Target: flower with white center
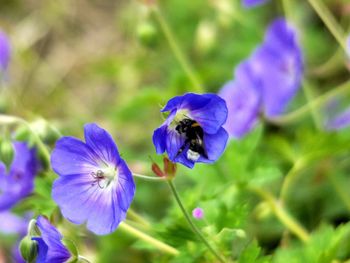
95	185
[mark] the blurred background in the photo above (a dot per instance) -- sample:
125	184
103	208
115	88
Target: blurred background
108	62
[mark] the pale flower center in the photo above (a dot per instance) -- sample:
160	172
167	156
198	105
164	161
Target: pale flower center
179	116
105	176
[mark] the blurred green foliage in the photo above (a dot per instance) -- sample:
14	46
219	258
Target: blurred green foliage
108	62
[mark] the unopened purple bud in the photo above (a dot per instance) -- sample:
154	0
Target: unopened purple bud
198	213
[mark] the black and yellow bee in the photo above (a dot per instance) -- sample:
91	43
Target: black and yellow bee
194	139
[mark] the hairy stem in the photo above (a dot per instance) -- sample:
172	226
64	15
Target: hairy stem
289	179
314	112
328	19
315	103
197	87
286	8
150	178
151	240
138	218
283	216
8	120
190	222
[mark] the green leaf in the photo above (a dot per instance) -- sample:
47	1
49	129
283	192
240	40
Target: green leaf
251	254
238	154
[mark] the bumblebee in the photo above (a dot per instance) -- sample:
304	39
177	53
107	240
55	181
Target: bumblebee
194	139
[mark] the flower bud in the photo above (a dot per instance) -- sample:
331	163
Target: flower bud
157	171
169	167
32	229
206	36
241	233
147	34
198	213
4	102
45	130
28	249
6	153
42	128
263	210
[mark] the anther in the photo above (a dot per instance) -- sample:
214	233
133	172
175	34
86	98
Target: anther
98	176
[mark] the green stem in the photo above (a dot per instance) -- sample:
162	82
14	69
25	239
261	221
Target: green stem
150	178
154	242
314	112
137	218
283	216
329	67
286	8
343	195
289	179
8	120
328	19
197	87
315	103
83	259
190	222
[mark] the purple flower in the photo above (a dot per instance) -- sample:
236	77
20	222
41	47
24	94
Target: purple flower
348	46
16	254
12	224
198	213
50	247
95	184
243	101
266	82
5	51
193	131
19	181
278	66
253	3
340	121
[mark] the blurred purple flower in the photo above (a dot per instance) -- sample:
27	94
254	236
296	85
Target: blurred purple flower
339	122
193	130
95	184
19	181
278	66
265	82
16	254
12	224
198	213
348	46
243	101
50	247
253	3
5	51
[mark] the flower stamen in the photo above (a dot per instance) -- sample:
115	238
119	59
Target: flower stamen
106	175
98	176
